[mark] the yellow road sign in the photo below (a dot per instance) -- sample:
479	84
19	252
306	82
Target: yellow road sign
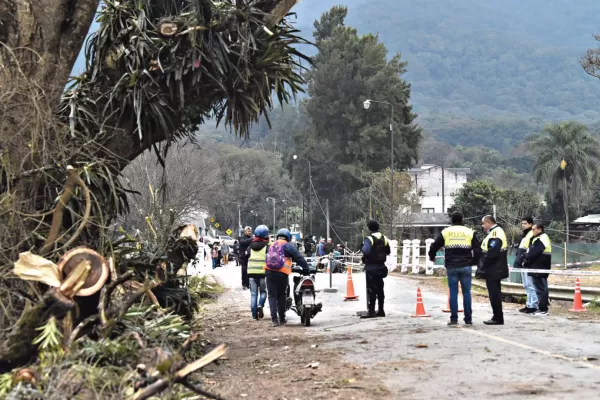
217	225
229	231
212	220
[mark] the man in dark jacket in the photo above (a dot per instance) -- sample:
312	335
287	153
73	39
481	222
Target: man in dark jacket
375	250
462	251
245	241
539	256
493	266
532	299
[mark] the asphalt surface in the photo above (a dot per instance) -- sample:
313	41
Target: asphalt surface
420	358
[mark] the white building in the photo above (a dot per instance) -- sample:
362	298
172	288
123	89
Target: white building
435	187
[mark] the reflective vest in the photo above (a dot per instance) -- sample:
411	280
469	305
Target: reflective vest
257	261
458	237
546	241
495	233
526	240
378	253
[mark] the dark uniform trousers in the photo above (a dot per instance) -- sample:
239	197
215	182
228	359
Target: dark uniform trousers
494	288
277	284
245	279
375	286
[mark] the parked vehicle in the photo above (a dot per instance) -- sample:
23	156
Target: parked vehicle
226	239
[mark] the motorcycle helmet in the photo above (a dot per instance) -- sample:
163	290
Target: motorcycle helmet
285	234
262	231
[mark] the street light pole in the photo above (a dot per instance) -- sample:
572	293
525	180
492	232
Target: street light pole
274	201
367	104
310	213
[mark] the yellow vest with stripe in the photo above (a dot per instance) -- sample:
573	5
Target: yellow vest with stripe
458	237
526	240
546	241
495	233
257	261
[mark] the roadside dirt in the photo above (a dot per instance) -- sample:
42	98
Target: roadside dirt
284	363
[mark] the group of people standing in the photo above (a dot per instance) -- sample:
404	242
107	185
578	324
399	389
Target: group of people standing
464	250
266	268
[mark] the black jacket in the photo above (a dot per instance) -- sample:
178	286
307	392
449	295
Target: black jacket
494	263
536	258
457	257
520	256
244	241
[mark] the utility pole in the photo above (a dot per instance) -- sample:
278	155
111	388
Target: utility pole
443	191
494	207
327	209
274	201
303	227
239	220
370	202
392	157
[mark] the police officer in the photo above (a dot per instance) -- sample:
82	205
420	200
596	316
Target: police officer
462	251
539	256
245	241
375	250
532	299
493	266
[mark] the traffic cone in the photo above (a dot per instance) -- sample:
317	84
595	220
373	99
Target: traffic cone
420	311
577	303
447	309
350	295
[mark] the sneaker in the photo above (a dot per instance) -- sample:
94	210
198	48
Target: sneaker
381	313
469	324
452	323
540	313
254	319
260	313
492	322
370	314
275	324
531	310
283	321
524	309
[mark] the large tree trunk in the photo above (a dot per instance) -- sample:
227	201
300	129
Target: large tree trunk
50	34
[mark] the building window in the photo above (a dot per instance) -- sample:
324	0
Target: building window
428	210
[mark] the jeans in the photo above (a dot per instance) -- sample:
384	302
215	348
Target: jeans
462	275
541	289
494	288
257	285
215	263
532	298
277	283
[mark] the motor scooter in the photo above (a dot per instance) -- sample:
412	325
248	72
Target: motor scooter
304	296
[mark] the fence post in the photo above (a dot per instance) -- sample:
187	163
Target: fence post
416	253
392	260
428	263
405	255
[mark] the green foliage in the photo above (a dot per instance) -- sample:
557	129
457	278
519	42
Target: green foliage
344	142
221	62
569	141
49	341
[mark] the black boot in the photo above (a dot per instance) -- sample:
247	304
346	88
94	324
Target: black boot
380	312
370	314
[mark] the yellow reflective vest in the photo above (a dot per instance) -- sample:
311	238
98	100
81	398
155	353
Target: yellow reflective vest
458	237
495	233
257	261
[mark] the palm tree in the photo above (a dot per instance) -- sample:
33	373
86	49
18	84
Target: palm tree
566	155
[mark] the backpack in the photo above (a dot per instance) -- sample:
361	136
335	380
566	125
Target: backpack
310	247
275	256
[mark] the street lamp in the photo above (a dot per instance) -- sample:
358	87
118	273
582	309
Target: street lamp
309	191
366	105
274	201
254	215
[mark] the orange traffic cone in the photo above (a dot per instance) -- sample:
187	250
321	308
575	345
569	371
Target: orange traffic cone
447	309
420	312
350	295
577	303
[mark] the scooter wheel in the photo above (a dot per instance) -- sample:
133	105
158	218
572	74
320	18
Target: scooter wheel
306	317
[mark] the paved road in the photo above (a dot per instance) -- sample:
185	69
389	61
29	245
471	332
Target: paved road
541	357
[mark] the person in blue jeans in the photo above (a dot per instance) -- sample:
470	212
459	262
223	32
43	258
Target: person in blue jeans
462	251
256	271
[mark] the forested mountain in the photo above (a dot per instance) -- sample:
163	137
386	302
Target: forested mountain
485	59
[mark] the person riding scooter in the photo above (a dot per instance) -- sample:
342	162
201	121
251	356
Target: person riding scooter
278	268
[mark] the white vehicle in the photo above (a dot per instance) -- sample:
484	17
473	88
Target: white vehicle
210	240
226	239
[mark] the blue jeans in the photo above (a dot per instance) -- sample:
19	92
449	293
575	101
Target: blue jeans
462	275
256	285
532	298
